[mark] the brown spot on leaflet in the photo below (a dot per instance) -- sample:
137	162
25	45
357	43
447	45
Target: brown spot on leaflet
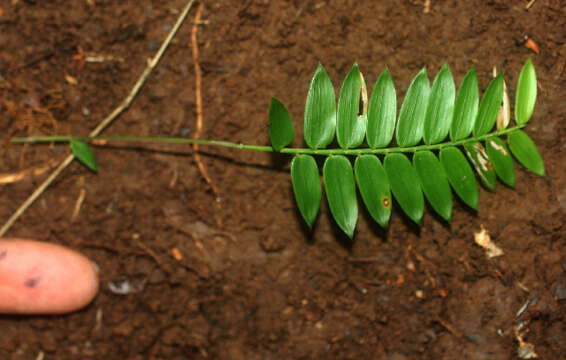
385	201
32	282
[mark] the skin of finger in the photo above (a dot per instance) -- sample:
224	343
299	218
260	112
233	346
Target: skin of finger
44	278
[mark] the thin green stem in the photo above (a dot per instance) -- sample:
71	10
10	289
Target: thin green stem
177	140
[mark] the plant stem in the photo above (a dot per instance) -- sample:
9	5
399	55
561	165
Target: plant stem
178	140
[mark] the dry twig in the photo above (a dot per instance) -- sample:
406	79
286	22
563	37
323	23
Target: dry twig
35	171
152	63
198	80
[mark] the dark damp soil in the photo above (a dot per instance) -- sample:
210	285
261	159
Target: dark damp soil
252	283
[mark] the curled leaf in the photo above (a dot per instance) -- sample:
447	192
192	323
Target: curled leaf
478	157
352	118
504	116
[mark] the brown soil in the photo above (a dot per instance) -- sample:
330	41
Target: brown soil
252	283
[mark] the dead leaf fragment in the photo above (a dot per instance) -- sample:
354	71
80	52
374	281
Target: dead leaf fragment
177	254
71	80
483	239
532	45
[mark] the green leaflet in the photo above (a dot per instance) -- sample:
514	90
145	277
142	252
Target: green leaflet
351	122
479	159
526	93
320	111
281	130
434	183
525	151
374	187
460	175
501	160
489	106
341	192
466	107
411	117
440	107
82	152
306	186
382	112
405	185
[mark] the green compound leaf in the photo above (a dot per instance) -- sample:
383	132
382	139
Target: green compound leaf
525	151
306	186
466	107
82	152
405	185
460	175
382	112
341	192
489	106
320	111
411	117
440	107
281	130
434	183
526	93
500	158
351	122
478	157
374	187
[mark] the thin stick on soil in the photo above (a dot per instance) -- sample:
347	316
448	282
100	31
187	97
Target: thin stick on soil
198	80
106	122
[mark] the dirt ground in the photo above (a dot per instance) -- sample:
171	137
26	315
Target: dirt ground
252	283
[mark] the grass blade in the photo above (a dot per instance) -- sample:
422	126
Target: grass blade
320	111
500	158
411	117
525	152
405	185
382	112
440	107
281	130
466	107
489	106
460	175
374	188
478	157
434	183
341	192
82	152
351	122
526	93
306	186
